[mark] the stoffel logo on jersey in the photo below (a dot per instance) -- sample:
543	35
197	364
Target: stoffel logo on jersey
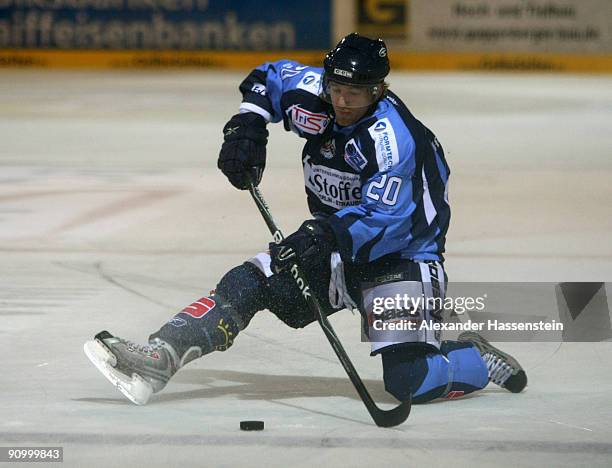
332	187
306	121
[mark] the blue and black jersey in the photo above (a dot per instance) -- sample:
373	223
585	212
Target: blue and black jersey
381	183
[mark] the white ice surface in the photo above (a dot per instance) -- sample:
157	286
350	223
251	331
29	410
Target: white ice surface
114	216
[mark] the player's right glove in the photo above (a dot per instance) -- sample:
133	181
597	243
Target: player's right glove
310	247
243	153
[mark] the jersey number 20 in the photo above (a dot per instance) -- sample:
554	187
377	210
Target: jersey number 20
391	187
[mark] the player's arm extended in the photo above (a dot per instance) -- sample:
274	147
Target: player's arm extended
243	154
264	87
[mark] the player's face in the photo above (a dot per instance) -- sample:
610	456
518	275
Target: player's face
350	102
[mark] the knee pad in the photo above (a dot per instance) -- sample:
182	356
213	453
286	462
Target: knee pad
246	289
284	299
287	302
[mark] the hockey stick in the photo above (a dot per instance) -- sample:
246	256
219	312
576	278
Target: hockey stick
382	418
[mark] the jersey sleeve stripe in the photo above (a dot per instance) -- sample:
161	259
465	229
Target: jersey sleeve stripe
430	210
249	107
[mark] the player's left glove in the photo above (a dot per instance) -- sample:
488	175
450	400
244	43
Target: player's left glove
309	246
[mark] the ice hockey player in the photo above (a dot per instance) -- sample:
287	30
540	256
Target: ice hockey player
376	182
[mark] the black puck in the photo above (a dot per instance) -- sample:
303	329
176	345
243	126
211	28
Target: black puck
251	425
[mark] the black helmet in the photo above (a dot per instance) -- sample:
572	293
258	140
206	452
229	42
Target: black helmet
357	60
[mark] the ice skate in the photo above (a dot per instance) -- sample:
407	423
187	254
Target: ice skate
504	370
137	371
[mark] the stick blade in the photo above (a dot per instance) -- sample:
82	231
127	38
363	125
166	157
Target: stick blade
393	417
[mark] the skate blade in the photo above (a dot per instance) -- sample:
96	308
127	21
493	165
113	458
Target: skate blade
136	389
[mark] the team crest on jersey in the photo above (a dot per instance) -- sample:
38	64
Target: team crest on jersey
328	149
353	155
306	121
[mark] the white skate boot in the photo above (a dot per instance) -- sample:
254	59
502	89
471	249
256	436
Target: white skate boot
137	371
504	370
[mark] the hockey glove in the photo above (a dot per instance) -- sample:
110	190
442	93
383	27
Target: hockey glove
310	247
243	153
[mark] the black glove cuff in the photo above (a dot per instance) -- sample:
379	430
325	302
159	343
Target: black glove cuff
320	231
246	126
